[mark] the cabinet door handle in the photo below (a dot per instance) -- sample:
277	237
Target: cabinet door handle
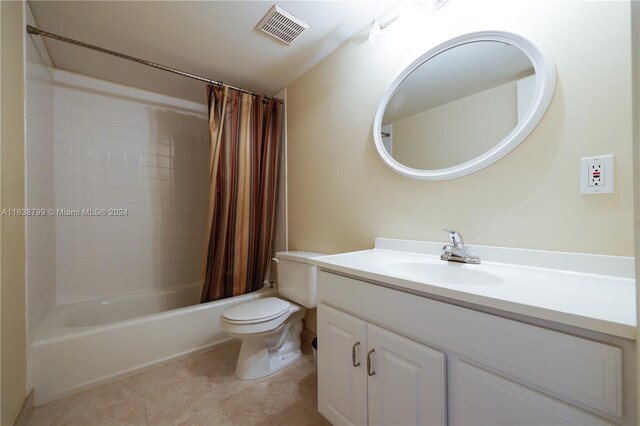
353	355
369	372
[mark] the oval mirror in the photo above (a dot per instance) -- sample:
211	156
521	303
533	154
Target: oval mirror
463	105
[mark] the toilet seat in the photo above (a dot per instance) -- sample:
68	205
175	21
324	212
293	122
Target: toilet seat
256	311
253	327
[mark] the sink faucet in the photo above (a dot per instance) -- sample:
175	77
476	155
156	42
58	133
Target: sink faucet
455	251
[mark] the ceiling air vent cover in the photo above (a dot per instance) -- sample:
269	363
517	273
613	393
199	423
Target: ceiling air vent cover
281	25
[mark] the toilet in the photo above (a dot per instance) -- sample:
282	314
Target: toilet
270	327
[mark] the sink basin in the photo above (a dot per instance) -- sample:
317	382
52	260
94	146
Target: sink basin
439	273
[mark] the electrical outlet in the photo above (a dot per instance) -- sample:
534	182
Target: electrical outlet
596	175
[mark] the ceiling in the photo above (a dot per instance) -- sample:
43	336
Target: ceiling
214	39
456	73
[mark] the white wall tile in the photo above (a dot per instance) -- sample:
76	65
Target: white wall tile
115	151
41	158
119	147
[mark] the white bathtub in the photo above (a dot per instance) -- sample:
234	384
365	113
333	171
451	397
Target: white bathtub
86	343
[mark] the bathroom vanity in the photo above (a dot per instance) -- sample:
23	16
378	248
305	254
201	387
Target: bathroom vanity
525	337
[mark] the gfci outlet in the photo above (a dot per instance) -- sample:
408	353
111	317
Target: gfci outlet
596	175
595	170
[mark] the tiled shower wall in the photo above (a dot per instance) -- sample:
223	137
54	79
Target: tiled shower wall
41	285
117	147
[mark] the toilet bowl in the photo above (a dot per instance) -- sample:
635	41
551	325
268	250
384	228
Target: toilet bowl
270	328
271	341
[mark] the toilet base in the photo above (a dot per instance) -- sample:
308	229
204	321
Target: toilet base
258	360
255	362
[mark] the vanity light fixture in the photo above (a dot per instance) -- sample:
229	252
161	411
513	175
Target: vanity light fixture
431	4
437	4
375	32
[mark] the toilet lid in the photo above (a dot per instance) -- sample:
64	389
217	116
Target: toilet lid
258	310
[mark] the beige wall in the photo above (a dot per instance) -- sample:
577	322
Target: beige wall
434	139
12	247
341	195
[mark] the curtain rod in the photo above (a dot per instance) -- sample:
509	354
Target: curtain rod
37	31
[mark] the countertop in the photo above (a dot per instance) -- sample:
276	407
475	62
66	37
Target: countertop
593	292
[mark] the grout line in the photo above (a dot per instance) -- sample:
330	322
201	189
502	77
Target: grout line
255	401
144	400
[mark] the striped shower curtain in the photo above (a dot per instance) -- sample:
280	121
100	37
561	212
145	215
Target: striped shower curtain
245	132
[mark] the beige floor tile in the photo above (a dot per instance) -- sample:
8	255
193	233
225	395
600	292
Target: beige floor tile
248	416
231	409
200	390
307	417
305	369
173	389
53	413
165	386
230	352
210	368
175	414
118	403
284	397
218	407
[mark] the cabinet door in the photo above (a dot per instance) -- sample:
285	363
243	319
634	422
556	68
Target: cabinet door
409	384
479	397
342	387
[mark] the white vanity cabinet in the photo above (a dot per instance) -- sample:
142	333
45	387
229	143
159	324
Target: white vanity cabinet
371	375
482	398
342	385
439	363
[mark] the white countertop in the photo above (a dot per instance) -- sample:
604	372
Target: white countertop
592	292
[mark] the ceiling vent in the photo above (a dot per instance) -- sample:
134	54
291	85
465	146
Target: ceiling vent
281	25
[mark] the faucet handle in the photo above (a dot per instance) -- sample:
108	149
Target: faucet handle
455	238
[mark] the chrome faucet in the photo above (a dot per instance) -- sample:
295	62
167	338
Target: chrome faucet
455	251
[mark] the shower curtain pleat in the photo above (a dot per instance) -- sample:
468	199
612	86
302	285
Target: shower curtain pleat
245	134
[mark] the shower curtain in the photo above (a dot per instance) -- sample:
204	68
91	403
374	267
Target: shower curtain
245	134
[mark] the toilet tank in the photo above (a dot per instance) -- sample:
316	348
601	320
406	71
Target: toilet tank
297	277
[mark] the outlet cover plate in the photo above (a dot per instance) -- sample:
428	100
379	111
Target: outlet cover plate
603	163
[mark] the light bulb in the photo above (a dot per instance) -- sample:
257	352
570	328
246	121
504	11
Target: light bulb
375	31
438	4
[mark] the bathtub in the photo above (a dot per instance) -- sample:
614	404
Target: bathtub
86	343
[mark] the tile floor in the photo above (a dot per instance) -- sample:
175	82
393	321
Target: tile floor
199	390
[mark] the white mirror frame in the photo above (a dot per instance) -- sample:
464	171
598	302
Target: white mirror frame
545	85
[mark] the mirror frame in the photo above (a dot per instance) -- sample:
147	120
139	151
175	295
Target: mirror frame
544	89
